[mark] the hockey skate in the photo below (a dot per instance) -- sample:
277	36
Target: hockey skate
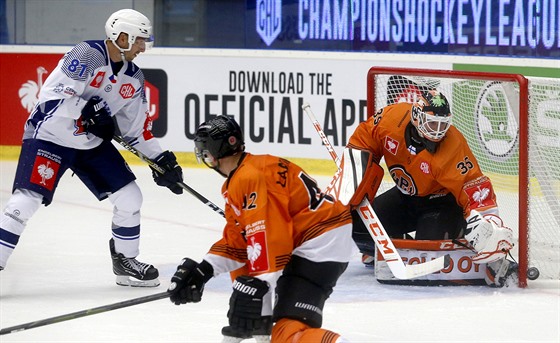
368	261
502	273
131	272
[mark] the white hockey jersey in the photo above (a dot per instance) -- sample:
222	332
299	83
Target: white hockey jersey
85	71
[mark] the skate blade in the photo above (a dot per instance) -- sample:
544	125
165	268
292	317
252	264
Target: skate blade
123	280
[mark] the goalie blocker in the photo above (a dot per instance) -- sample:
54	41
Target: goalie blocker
460	272
358	177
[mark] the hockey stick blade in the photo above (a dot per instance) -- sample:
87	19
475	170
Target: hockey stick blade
376	230
157	168
416	270
84	313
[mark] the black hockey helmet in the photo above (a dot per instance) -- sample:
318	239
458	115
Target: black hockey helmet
217	138
431	115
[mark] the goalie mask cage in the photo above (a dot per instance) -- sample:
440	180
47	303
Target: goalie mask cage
512	125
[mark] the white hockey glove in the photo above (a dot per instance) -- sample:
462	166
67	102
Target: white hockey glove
489	238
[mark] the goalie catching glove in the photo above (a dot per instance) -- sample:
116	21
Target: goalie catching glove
173	173
490	239
96	119
187	284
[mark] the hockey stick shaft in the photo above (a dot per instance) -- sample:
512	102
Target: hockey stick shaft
307	108
84	313
160	170
375	228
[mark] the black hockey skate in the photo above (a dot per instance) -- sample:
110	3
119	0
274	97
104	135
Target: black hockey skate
261	335
131	272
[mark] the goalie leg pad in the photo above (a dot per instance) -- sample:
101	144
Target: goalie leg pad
360	178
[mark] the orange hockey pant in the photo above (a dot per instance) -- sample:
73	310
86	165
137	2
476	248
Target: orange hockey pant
293	331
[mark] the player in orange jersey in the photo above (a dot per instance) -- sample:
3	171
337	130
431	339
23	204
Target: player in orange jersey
293	240
440	191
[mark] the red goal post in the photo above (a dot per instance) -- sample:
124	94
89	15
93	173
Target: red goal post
503	117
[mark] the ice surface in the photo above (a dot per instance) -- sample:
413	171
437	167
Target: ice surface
62	265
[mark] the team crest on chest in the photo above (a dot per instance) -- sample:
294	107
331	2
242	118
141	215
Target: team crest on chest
403	180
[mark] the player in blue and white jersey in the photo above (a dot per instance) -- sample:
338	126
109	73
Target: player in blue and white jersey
95	89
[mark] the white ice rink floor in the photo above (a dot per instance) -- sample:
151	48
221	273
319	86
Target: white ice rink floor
62	265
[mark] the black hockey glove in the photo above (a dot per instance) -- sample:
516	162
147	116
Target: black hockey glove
245	307
173	172
96	118
188	282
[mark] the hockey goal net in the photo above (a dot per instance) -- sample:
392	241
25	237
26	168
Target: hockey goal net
512	124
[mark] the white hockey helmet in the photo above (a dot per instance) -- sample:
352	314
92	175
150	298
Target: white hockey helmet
431	115
131	22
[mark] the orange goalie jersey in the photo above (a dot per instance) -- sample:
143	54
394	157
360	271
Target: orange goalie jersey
452	169
272	207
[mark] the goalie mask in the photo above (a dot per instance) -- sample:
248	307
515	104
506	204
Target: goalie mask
217	138
431	115
131	22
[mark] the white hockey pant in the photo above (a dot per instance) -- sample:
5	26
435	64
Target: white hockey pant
127	202
21	206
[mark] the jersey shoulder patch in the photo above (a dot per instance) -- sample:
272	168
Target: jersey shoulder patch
80	62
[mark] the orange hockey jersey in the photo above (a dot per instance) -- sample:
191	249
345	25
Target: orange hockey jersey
272	207
453	168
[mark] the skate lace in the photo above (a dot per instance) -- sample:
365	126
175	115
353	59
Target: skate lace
134	264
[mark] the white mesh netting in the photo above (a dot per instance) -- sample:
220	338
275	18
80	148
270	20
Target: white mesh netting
488	114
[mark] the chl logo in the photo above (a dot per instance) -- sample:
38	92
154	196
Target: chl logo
127	91
269	19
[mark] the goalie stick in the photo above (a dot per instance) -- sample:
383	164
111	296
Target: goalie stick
160	170
83	313
375	228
